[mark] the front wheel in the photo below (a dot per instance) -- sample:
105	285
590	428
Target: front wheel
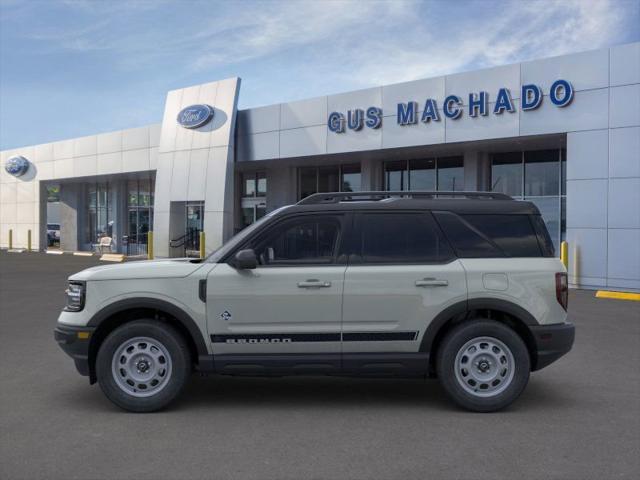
483	365
143	365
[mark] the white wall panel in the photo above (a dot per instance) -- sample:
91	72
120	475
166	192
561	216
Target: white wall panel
63	149
625	106
357	99
135	138
85	146
43	153
110	163
305	113
85	166
394	135
624	152
625	64
110	142
587	154
259	146
135	160
587	203
197	174
63	168
489	80
585	71
624	254
587	111
258	120
624	203
468	128
303	141
587	253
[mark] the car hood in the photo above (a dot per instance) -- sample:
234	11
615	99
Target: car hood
173	268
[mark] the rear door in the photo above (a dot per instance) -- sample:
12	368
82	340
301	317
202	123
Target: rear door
401	274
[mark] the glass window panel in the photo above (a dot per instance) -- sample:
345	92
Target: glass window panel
132	192
351	178
401	238
506	173
144	193
302	241
563	168
248	184
262	185
451	173
467	242
550	211
247	216
395	175
329	179
514	234
53	193
422	174
308	179
541	173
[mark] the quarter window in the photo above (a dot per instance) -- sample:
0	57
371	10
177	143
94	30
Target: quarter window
410	238
513	234
303	241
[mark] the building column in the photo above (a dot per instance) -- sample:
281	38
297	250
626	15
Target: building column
69	215
477	171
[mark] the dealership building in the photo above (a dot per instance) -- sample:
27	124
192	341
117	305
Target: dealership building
562	132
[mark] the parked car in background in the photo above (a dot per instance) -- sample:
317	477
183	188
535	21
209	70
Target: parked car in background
53	234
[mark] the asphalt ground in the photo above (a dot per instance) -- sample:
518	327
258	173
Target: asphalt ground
578	418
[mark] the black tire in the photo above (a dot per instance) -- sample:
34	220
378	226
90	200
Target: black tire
452	344
176	348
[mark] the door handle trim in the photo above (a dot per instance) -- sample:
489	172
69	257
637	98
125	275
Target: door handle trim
431	282
313	283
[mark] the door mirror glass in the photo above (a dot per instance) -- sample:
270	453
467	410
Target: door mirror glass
245	260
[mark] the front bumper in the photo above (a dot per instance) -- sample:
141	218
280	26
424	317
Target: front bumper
552	342
75	343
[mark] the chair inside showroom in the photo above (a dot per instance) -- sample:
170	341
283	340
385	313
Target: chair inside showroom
104	243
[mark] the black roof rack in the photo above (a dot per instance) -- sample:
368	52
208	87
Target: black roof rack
336	197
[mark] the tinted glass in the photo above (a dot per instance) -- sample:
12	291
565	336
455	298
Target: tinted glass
329	179
506	173
513	234
542	173
299	242
422	174
351	178
308	179
262	185
550	210
401	238
451	173
543	236
467	242
395	175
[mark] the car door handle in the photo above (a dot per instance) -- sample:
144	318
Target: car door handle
313	283
431	282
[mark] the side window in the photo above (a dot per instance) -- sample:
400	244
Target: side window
465	239
409	238
300	241
514	234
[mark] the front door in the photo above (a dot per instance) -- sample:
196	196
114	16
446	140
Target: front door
289	305
401	274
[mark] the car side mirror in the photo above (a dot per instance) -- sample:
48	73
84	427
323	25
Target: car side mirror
245	260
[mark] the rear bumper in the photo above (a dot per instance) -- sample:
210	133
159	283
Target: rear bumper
75	343
552	342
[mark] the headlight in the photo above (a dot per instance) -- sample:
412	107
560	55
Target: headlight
75	297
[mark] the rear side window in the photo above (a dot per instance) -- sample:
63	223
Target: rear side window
467	241
482	236
546	244
513	234
405	238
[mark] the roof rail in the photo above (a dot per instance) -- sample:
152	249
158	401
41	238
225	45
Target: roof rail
336	197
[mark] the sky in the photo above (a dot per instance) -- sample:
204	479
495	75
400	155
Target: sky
70	68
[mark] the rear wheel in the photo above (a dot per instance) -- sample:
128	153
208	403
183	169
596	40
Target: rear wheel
143	365
483	365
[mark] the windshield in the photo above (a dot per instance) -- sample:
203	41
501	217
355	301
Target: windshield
240	237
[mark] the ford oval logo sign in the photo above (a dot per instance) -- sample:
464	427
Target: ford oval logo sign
17	166
195	116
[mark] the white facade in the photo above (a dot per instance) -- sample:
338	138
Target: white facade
600	130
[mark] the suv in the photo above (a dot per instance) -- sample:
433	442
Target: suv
460	286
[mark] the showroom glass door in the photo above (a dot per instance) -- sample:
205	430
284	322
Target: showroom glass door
194	225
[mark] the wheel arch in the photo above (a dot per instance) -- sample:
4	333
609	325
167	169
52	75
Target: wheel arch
127	310
502	311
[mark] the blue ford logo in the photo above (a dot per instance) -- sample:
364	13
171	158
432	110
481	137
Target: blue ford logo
17	166
195	116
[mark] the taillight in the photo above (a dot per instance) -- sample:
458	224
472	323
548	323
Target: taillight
562	289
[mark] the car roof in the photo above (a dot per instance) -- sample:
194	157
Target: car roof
456	202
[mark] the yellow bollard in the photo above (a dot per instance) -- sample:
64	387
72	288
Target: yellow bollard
150	245
29	240
10	239
564	254
201	244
